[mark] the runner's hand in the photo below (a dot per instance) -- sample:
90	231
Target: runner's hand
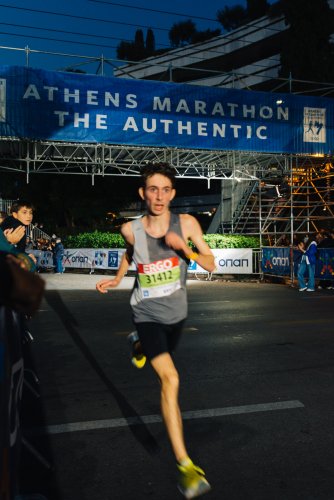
175	242
103	285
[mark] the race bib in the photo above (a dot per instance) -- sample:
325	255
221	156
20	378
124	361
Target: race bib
160	278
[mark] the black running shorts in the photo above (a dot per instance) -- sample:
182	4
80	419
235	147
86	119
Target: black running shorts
156	338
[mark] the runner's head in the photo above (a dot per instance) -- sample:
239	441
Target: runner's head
157	168
158	180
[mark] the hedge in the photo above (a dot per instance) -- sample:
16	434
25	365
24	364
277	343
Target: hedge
99	239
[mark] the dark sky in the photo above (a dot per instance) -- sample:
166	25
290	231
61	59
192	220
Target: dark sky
92	27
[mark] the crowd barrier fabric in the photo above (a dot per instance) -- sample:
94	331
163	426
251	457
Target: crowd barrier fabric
277	261
228	260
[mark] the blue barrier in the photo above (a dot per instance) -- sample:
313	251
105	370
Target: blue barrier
278	261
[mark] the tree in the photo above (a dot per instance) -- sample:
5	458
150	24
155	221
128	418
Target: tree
202	36
185	33
139	46
307	52
232	17
125	50
150	43
137	50
181	33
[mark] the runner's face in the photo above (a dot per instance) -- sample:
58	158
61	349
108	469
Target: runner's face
158	194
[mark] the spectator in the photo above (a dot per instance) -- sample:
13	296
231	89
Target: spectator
284	241
58	254
21	216
29	244
307	263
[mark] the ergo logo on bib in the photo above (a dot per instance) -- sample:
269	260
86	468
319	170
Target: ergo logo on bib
158	265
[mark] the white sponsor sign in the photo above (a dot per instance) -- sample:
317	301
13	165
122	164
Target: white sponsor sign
79	257
315	125
229	261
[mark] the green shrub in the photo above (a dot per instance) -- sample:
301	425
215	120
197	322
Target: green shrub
231	241
99	239
96	239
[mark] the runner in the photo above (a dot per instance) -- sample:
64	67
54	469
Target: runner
157	244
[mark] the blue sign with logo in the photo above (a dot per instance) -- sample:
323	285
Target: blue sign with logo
192	265
113	258
276	261
47	105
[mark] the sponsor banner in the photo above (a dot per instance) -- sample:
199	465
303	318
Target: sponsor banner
324	268
229	261
276	261
79	257
72	107
104	258
43	258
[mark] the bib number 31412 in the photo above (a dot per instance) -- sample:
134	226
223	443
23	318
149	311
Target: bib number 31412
160	278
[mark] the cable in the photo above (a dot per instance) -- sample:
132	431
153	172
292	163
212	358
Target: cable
113	22
104	46
155	10
69	32
226	37
80	17
57	40
193	55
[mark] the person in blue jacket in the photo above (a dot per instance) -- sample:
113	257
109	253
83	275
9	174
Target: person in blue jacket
58	254
307	263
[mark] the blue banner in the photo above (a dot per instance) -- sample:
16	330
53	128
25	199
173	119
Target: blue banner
276	260
324	268
47	105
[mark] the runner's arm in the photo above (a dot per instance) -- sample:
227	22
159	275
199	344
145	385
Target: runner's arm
192	231
103	285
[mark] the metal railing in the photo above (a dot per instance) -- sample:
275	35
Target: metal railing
5	205
35	233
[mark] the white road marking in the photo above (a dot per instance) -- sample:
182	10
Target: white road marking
155	419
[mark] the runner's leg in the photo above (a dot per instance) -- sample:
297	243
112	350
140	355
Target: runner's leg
164	367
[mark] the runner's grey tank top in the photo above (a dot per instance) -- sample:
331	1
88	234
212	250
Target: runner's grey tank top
159	294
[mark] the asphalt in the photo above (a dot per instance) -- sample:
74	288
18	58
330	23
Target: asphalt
256	364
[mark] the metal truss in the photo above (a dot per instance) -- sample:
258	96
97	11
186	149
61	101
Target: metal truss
51	157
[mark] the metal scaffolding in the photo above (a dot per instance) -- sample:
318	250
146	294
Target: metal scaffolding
306	204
